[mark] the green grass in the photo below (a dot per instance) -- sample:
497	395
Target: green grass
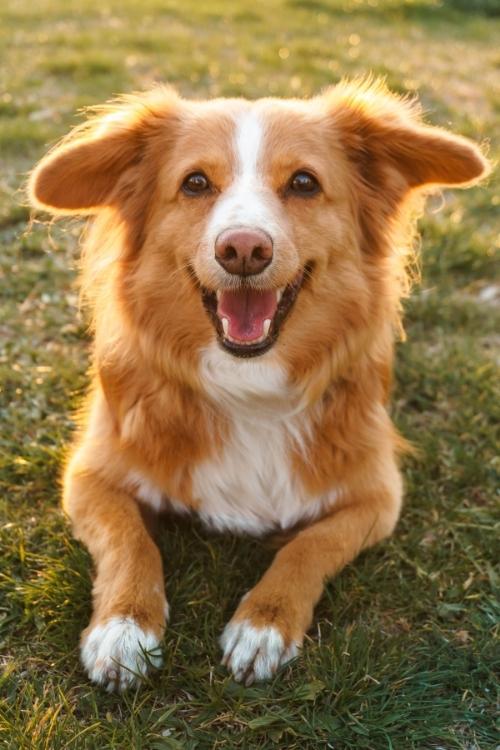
403	651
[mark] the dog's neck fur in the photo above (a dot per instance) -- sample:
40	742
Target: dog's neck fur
251	386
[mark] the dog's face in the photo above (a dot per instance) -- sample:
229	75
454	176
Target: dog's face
265	225
252	202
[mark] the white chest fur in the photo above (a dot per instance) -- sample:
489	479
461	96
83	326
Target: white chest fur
251	486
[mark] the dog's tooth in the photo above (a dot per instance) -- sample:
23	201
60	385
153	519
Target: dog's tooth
218	294
225	326
267	326
279	292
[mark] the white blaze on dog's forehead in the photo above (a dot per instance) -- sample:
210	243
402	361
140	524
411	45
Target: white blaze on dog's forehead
248	140
245	202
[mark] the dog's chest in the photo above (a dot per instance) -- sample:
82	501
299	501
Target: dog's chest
251	484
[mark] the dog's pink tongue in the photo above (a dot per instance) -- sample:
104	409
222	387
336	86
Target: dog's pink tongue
246	311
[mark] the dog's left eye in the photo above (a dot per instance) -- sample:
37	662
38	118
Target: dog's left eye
195	184
304	183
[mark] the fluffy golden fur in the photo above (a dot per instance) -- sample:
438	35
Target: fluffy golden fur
177	420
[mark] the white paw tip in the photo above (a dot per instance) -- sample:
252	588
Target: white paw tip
118	653
252	653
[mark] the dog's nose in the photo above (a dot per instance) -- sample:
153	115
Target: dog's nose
243	251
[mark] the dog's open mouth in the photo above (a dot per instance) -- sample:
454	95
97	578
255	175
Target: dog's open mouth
248	320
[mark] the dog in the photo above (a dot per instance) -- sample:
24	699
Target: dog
245	270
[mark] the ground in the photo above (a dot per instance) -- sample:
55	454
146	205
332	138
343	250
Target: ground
402	651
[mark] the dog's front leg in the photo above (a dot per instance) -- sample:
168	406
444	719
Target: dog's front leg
130	609
268	627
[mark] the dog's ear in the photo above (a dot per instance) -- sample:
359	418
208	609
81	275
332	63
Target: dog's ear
382	132
80	174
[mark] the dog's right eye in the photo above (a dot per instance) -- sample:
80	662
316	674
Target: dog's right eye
304	184
195	183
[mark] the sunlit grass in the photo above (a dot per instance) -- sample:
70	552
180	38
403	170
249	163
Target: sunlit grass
402	652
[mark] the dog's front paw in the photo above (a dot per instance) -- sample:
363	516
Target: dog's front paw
118	653
254	653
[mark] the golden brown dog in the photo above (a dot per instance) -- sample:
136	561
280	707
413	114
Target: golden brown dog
245	269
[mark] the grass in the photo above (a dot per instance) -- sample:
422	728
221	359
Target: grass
403	651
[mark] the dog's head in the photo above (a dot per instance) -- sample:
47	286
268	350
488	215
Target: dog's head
267	224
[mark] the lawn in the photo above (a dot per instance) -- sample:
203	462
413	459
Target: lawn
404	647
